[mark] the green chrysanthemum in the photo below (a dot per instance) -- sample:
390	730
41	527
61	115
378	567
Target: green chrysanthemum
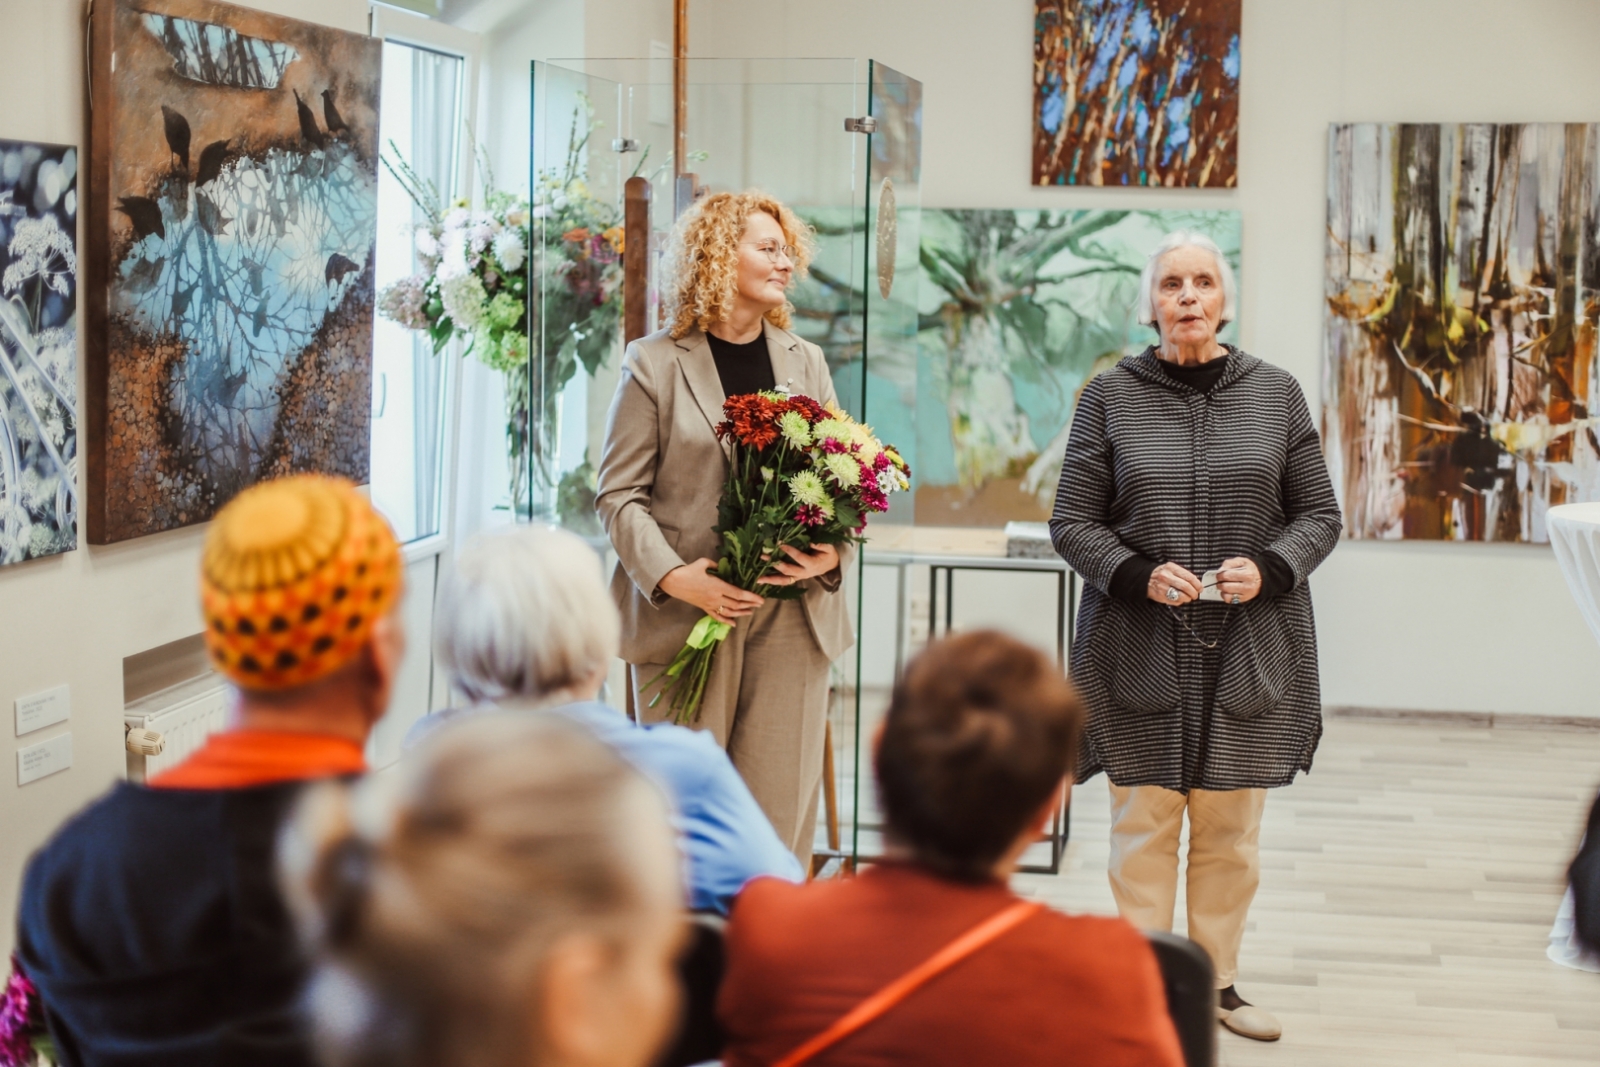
807	488
837	429
795	429
844	468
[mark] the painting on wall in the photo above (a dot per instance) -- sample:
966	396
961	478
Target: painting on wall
1016	310
231	236
38	350
1135	92
1459	371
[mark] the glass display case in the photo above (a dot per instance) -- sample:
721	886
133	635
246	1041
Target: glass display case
840	142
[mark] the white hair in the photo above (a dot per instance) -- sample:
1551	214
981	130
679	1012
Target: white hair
1185	239
525	613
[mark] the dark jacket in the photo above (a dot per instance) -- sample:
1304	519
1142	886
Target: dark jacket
153	926
1156	468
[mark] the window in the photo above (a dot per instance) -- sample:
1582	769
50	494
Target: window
421	123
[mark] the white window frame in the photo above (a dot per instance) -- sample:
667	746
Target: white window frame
401	27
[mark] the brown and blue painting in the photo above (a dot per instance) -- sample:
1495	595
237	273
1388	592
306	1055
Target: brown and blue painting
232	233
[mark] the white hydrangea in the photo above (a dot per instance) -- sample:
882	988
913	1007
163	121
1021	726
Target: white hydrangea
509	251
464	300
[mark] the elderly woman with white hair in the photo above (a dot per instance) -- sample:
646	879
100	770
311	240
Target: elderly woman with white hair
524	624
1195	503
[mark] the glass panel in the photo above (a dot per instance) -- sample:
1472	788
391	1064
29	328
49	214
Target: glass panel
776	125
553	441
885	378
420	122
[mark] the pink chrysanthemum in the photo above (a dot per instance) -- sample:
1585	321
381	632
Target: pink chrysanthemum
832	446
880	461
810	515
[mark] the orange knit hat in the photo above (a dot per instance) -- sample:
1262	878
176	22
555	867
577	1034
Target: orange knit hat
295	573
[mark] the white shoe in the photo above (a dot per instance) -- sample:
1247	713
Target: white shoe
1258	1024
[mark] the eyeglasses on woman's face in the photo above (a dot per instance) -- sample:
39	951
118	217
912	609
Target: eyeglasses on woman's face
772	250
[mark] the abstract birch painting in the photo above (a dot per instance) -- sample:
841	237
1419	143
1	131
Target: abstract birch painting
1135	92
38	350
1459	378
231	231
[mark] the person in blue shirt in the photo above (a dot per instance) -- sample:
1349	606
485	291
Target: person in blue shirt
524	624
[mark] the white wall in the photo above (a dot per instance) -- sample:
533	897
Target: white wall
72	618
1429	626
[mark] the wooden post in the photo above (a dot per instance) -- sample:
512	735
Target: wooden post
685	186
680	86
635	259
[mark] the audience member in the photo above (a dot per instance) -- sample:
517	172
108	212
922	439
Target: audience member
152	923
506	898
524	623
971	762
1584	876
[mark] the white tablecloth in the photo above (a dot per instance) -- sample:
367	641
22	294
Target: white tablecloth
1575	536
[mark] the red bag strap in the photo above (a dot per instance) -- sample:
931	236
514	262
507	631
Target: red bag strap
887	998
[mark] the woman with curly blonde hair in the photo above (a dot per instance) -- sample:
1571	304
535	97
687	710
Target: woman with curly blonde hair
725	287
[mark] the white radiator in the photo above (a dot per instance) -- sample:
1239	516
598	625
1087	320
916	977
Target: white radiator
184	715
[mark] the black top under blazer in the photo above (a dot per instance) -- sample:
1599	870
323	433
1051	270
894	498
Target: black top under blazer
1157	468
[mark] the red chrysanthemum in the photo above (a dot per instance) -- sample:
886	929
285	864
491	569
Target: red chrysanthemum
810	515
752	419
813	411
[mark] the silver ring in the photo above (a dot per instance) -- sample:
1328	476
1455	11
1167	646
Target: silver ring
1235	600
1172	594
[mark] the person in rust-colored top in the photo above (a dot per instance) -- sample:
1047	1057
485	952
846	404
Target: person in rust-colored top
971	760
152	923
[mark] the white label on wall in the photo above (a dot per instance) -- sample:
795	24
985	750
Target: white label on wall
47	757
43	709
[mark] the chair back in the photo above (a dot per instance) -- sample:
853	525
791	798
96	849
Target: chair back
1190	979
699	1037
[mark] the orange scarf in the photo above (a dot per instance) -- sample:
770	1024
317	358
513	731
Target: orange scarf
239	759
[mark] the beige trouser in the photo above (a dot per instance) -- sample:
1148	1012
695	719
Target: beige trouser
766	702
1224	863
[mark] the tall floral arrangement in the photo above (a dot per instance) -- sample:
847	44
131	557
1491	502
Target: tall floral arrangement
474	284
800	474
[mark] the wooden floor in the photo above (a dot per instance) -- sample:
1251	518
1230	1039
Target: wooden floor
1407	892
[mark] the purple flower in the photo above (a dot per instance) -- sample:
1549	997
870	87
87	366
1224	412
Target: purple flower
16	1025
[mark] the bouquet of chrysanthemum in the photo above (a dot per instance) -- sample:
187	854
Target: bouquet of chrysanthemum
800	474
24	1038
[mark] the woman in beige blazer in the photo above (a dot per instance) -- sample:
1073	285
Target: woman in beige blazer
724	291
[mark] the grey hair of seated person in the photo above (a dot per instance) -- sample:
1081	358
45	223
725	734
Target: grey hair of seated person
525	615
431	896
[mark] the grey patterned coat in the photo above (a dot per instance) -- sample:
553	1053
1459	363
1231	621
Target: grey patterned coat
1156	468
